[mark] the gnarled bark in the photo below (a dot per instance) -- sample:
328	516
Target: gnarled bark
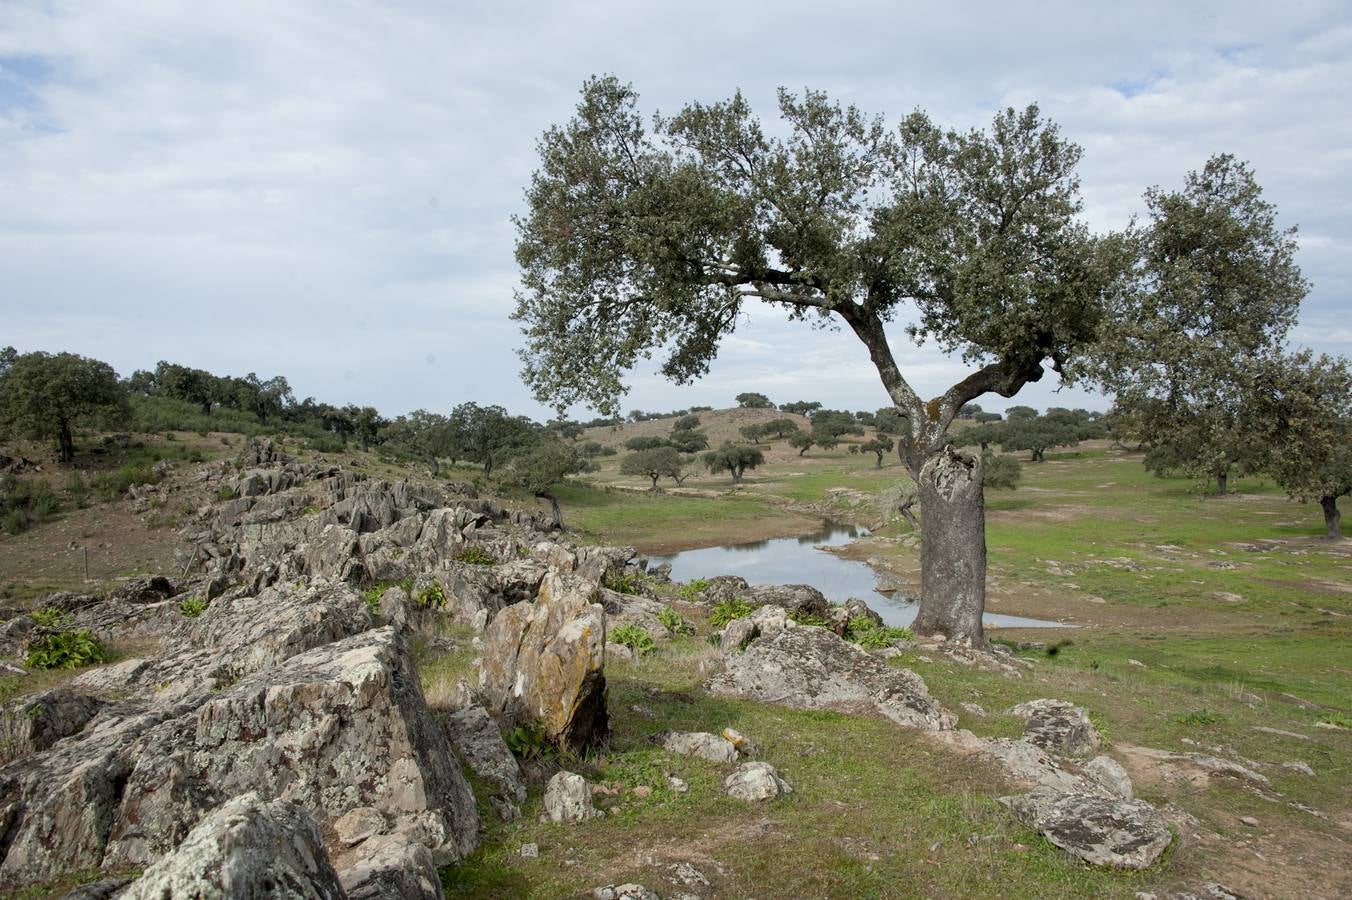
1332	518
952	547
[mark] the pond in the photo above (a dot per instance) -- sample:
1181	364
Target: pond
797	560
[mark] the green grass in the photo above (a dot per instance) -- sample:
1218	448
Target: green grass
626	517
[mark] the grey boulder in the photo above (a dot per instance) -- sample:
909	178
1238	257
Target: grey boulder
1103	831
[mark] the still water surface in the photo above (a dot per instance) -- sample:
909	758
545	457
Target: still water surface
797	560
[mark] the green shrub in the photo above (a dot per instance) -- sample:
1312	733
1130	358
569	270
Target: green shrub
871	636
372	597
727	610
672	621
476	556
528	741
111	485
633	637
25	503
225	493
49	617
691	590
803	618
192	607
431	596
66	650
624	582
1337	719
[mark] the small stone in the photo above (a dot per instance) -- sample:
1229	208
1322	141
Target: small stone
687	874
1137	663
698	743
740	741
568	799
623	892
678	785
1300	767
530	851
755	781
974	709
642	792
1249	820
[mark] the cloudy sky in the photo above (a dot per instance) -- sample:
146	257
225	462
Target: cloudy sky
323	188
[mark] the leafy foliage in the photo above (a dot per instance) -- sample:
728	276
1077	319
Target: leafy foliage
734	459
192	607
44	395
633	637
674	622
528	741
475	556
725	611
660	462
624	582
49	617
871	636
65	650
691	590
431	596
25	503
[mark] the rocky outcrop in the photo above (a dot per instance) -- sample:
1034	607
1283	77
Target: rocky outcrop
769	658
268	695
38	721
246	848
335	728
1124	834
388	866
476	737
795	599
1058	726
543	662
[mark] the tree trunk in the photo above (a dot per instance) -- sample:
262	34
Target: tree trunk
1221	481
736	475
488	467
206	407
434	465
654	478
1037	456
553	510
801	452
1332	518
65	442
880	462
952	548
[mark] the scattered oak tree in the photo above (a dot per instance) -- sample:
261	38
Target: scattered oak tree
638	241
801	407
801	441
46	395
878	446
1217	286
734	459
754	401
1300	408
659	462
1037	433
542	467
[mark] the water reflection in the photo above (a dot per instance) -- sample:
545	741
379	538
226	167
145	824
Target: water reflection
796	560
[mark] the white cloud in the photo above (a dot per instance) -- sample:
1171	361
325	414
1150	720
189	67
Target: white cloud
324	190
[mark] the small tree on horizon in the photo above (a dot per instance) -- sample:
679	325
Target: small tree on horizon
45	395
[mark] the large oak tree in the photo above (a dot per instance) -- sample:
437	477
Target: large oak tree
638	241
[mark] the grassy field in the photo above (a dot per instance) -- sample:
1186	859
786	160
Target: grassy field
1201	620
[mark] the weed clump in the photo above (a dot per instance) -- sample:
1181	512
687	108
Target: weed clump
49	617
66	650
691	590
528	741
476	556
672	621
1201	718
803	618
871	636
192	607
727	610
431	596
633	637
624	582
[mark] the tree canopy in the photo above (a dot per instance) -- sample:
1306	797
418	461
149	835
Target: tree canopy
658	462
1217	286
752	400
46	395
734	459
